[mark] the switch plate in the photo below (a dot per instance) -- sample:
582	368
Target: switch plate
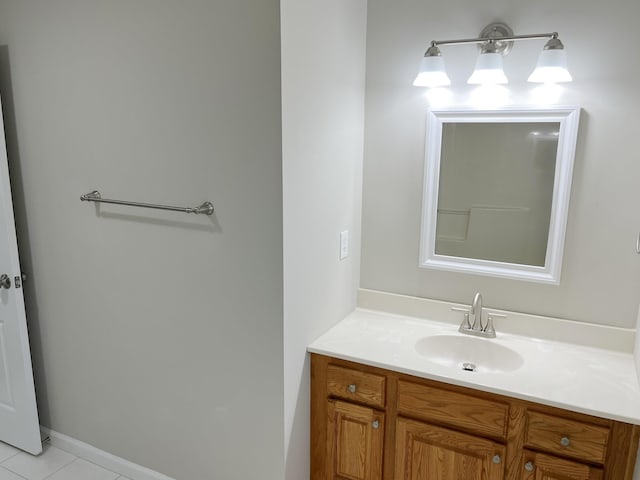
344	244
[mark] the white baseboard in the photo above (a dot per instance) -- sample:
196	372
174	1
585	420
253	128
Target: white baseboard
100	457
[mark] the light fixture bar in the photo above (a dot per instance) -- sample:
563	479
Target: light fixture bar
513	38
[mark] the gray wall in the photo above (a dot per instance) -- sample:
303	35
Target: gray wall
323	55
601	273
156	336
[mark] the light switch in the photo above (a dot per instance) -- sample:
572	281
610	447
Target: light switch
344	244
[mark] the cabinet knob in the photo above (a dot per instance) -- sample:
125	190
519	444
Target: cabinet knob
352	388
529	466
565	442
375	424
496	459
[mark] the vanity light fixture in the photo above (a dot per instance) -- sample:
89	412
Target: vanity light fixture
432	72
552	64
489	70
495	41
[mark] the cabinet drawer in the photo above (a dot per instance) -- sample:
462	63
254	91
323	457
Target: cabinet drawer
467	412
538	465
562	436
356	385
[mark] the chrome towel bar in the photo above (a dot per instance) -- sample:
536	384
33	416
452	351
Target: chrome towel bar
205	208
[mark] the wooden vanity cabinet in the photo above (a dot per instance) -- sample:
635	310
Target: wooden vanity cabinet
352	402
369	423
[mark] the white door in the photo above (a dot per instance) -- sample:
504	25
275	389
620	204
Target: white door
19	424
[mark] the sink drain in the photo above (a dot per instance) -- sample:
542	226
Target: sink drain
469	367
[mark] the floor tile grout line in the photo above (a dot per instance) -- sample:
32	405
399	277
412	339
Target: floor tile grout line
35	456
9	457
88	461
64	466
75	458
14	473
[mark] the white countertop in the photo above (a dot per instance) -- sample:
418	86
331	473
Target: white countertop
584	379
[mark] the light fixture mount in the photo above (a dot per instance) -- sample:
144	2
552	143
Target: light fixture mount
433	51
496	31
554	43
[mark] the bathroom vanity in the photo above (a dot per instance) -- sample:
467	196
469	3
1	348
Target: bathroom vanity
370	423
381	408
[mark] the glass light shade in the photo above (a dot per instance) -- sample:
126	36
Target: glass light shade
488	70
551	68
432	73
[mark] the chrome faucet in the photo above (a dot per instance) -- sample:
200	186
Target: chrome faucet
478	328
476	311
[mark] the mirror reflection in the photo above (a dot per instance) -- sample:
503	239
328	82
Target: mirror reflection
495	191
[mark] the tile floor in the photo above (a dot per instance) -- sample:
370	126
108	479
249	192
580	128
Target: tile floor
52	464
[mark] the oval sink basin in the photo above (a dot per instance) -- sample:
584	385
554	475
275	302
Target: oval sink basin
469	353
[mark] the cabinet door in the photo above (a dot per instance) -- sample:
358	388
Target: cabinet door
538	466
427	452
355	439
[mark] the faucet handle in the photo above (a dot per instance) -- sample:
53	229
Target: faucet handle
466	324
489	329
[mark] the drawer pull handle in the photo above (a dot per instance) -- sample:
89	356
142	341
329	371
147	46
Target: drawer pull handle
565	442
352	388
529	466
375	424
497	459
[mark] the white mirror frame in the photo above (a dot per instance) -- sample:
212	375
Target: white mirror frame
568	117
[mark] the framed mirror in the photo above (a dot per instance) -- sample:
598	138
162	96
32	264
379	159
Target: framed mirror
496	190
